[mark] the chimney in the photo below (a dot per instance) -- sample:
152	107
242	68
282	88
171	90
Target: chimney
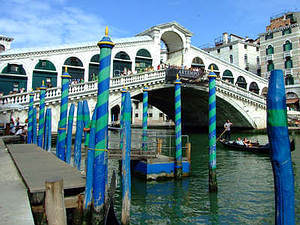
225	38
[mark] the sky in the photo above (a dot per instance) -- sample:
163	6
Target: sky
39	23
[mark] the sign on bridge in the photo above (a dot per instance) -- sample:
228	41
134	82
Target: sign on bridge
186	76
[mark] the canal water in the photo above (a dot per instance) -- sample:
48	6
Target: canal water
245	189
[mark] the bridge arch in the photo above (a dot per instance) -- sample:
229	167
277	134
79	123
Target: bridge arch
115	113
215	67
254	87
143	60
94	67
174	46
227	76
121	63
241	82
75	68
8	80
197	62
45	71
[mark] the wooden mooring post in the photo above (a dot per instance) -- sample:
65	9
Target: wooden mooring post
54	202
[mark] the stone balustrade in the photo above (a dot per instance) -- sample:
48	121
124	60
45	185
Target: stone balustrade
116	84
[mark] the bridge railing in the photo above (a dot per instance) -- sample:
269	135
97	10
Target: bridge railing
240	91
86	88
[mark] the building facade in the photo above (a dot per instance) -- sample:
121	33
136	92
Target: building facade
280	49
243	52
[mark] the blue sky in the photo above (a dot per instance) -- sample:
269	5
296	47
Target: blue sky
35	23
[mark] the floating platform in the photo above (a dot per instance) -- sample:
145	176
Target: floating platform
162	167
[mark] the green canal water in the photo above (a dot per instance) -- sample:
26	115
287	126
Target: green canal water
245	190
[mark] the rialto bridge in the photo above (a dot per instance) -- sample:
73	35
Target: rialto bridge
240	94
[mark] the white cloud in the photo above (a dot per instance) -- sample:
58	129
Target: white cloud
35	23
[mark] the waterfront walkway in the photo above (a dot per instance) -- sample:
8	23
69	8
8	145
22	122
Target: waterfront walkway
14	207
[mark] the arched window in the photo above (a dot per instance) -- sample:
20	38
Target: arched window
289	79
287	46
198	64
143	60
14	69
288	64
292	101
254	87
270	50
227	76
215	68
121	64
76	70
2	48
231	58
270	66
241	82
94	67
44	71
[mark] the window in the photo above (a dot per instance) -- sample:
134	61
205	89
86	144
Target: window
287	46
231	58
136	105
286	31
257	60
270	66
289	80
218	50
44	63
246	58
2	48
268	36
136	115
258	72
230	47
245	46
161	115
257	49
14	68
288	63
270	50
150	115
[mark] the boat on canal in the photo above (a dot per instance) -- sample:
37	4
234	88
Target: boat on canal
254	147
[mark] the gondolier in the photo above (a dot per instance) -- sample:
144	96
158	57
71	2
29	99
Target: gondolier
227	127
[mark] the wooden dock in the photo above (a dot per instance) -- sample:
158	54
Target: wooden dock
36	165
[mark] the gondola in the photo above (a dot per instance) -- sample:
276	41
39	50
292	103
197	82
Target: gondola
255	148
110	216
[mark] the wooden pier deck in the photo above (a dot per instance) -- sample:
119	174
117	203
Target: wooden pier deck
36	166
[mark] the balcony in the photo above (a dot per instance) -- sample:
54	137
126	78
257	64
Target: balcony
288	71
287	54
269	57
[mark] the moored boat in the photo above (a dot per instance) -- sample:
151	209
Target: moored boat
255	148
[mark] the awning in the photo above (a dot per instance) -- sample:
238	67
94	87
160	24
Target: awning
292	100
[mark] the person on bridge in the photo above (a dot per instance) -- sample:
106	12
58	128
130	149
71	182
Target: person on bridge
227	126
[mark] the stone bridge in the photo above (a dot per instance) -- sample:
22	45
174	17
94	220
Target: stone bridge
244	108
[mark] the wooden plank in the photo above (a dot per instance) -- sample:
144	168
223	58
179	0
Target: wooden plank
36	165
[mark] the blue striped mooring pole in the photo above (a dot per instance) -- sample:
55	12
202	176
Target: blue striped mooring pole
213	187
41	115
100	167
69	133
123	91
30	119
89	167
78	136
278	134
48	130
178	163
34	126
145	117
126	177
62	124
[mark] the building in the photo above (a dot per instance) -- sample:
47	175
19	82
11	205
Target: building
243	52
280	49
5	43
